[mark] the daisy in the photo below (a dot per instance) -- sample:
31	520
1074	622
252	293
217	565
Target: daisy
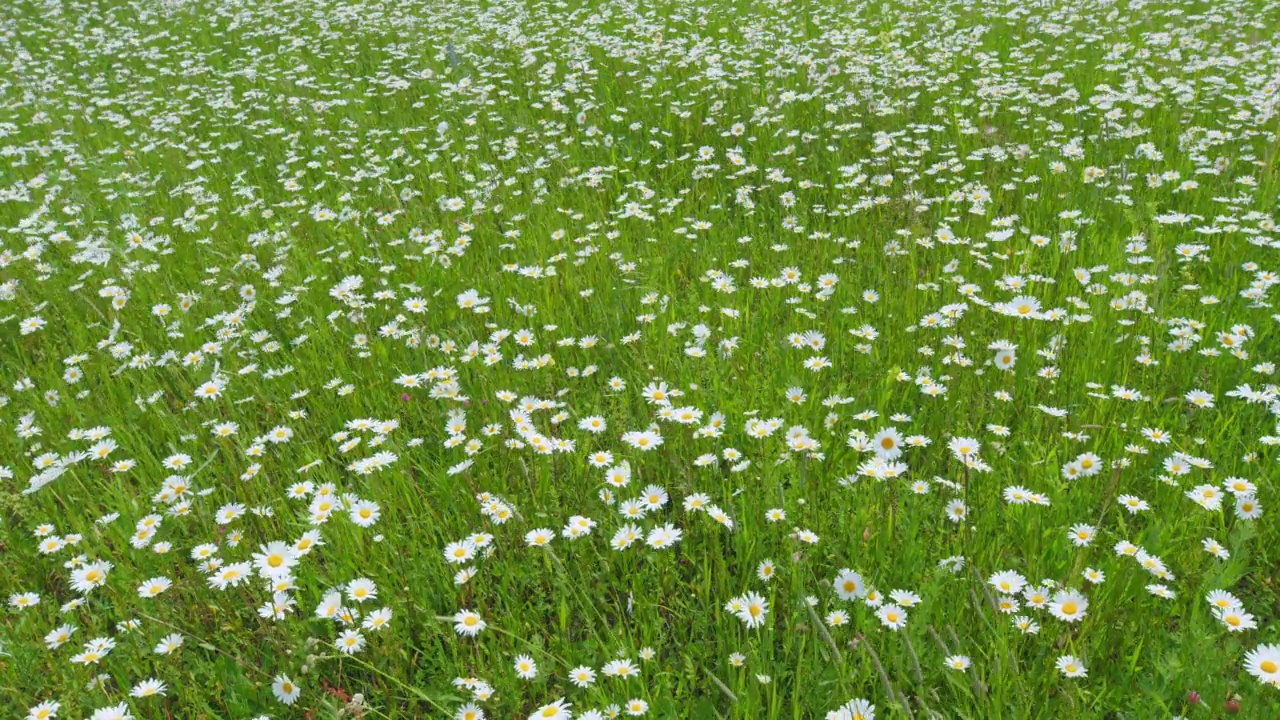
147	688
468	623
154	587
1071	666
114	712
646	440
850	586
892	616
753	609
887	443
230	576
1026	625
1081	535
582	676
856	709
1222	600
663	537
349	642
274	559
620	669
361	589
364	513
1236	619
377	619
539	537
1008	582
526	668
558	710
44	711
58	636
168	645
459	552
1263	662
90	576
904	598
285	690
1068	606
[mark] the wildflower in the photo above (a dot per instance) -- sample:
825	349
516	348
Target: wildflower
349	642
1071	667
285	690
539	538
168	645
620	669
154	587
892	616
44	711
526	668
113	712
1236	619
558	710
663	537
1263	662
856	709
752	610
1068	606
361	590
582	676
468	623
148	688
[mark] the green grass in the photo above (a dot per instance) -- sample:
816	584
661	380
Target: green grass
549	156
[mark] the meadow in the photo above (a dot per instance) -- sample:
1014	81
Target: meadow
597	359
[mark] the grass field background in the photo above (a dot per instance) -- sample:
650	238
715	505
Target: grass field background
600	359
